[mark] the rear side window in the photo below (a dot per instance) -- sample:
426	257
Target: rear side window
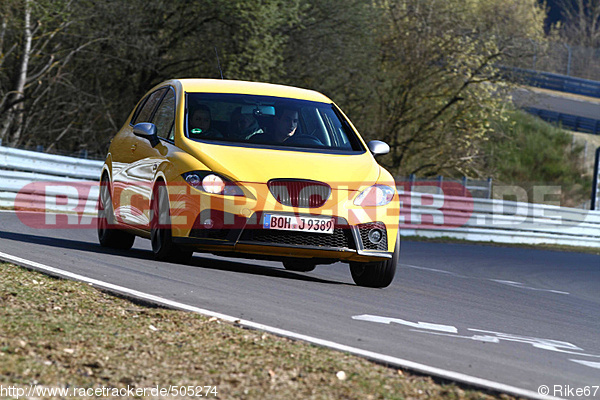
145	113
165	116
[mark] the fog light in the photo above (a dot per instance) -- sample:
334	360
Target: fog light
375	236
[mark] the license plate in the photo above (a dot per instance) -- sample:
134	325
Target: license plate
298	223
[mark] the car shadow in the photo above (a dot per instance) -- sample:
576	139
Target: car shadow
200	260
72	244
203	260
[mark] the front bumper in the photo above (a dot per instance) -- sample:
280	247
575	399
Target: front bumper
347	242
227	224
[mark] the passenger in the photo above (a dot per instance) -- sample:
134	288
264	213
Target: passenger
243	126
200	124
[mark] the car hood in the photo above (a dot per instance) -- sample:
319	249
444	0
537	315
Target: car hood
259	165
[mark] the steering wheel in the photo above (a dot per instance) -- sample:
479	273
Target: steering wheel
304	140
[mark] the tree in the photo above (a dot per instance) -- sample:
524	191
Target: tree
332	49
581	22
90	61
438	86
17	62
417	73
35	67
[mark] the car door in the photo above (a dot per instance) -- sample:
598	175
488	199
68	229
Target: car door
131	174
151	158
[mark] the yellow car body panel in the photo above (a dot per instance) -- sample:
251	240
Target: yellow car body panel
261	165
256	88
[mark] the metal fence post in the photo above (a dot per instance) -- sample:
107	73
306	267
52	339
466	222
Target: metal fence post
595	203
569	57
440	181
489	181
464	189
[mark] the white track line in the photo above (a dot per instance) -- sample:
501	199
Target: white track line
381	358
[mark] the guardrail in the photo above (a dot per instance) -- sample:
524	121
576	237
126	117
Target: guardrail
498	221
572	122
20	168
547	80
51	164
421	214
472	187
561	83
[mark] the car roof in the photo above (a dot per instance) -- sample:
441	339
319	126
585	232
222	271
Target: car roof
245	87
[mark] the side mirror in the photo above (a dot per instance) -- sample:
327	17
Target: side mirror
147	131
378	148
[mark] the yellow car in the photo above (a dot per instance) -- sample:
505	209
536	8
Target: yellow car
250	170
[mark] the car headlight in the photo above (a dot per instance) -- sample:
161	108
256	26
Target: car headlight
376	195
210	182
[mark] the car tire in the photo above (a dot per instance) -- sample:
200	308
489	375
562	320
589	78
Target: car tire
108	234
299	265
161	236
376	274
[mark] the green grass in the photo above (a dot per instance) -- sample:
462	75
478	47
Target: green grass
59	333
526	151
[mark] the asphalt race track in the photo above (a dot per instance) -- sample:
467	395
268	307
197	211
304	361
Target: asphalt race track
519	317
564	103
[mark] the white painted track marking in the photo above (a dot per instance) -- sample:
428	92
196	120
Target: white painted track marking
587	363
418	325
378	357
518	285
522	286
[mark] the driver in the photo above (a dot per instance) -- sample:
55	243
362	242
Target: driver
286	123
284	130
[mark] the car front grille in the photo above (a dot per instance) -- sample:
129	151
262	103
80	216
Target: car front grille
299	193
341	238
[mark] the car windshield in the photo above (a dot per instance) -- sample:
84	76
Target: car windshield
268	121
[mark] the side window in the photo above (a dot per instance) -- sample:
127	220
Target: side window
145	113
165	116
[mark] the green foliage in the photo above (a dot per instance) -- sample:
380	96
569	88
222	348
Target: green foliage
526	151
332	49
257	37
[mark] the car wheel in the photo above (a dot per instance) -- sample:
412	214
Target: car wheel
299	265
160	229
108	234
376	274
